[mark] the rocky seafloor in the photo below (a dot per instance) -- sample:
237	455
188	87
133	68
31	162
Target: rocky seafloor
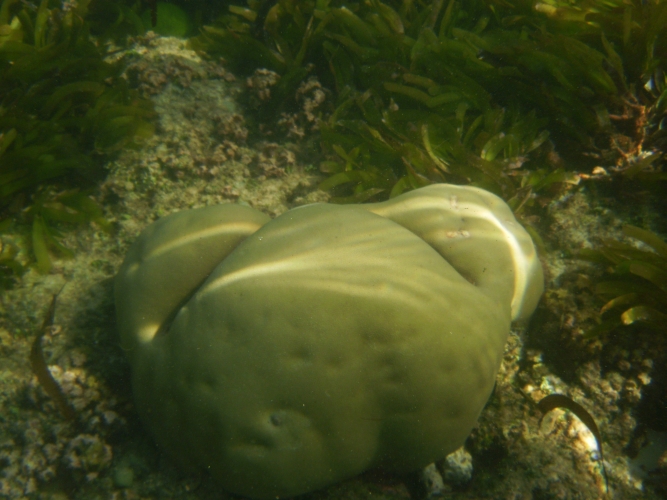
200	155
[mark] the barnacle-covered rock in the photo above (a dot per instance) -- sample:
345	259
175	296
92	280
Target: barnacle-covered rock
285	355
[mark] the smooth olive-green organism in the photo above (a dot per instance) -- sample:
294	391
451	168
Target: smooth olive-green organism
286	355
171	20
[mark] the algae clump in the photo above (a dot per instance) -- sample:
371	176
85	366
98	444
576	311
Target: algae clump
286	355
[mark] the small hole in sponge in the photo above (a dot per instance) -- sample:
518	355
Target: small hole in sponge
277	418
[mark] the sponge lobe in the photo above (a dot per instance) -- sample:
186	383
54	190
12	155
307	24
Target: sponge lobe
330	341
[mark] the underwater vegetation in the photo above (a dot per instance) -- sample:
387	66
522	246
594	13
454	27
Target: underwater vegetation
49	209
63	110
554	401
636	286
170	20
493	93
514	97
41	370
10	268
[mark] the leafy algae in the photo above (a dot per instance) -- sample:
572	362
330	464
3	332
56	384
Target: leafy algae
477	92
63	109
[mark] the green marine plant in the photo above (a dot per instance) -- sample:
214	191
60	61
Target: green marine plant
171	20
63	110
115	20
477	92
10	268
636	288
561	401
49	211
41	369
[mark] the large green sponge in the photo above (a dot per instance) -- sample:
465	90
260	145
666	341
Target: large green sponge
286	355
